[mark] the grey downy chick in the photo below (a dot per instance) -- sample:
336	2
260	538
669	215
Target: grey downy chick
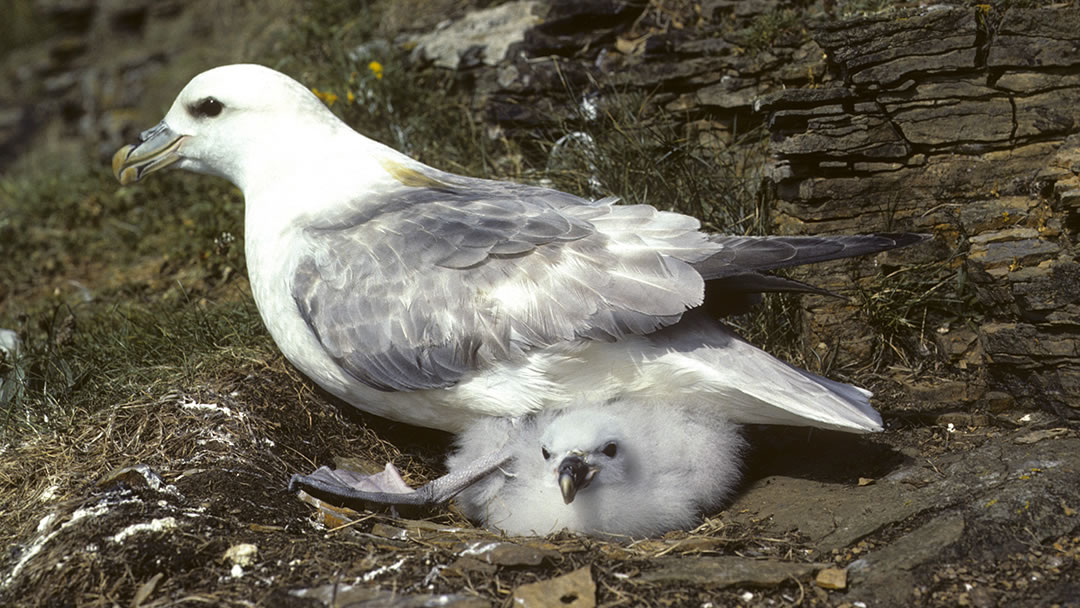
635	468
631	468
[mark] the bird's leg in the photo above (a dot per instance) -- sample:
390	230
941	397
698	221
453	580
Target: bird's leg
342	486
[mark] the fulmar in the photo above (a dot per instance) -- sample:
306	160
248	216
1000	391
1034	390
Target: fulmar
460	303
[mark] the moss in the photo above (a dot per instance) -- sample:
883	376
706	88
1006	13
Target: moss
779	26
105	286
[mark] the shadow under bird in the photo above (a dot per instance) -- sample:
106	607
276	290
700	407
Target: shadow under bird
510	314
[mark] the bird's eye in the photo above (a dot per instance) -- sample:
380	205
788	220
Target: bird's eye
545	453
207	107
610	450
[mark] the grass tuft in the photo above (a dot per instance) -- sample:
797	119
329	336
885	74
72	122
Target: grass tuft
777	27
636	151
863	7
905	306
77	358
106	286
343	54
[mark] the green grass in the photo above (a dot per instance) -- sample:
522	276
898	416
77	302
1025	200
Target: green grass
863	7
78	358
337	48
55	226
641	154
779	26
106	287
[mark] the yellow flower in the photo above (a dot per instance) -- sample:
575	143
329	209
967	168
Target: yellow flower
327	97
350	97
376	68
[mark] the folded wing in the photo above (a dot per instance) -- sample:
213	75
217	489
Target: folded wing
414	288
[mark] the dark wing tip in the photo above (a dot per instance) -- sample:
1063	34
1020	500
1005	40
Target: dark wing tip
902	239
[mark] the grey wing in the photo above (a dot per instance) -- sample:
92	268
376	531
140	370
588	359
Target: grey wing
417	287
387	487
745	255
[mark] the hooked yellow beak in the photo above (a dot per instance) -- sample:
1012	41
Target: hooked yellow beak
158	148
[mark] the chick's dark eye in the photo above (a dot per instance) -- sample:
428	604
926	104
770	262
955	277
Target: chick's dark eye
208	107
610	450
545	453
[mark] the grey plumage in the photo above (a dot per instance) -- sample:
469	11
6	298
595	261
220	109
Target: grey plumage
736	274
448	245
433	258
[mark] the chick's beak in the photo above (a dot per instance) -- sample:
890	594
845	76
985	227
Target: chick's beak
158	148
574	475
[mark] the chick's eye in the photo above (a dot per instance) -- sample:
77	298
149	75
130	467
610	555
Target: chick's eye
208	107
610	450
545	453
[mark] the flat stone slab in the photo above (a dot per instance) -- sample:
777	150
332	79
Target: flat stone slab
834	515
726	571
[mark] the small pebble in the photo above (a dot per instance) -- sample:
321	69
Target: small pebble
832	578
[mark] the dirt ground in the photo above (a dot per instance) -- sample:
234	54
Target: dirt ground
941	509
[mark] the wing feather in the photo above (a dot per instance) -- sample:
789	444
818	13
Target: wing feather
758	388
739	254
413	289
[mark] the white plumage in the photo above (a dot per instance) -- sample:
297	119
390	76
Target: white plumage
674	455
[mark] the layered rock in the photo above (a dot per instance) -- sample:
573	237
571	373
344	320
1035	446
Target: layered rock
962	122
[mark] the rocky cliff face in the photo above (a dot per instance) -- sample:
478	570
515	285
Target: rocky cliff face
961	121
